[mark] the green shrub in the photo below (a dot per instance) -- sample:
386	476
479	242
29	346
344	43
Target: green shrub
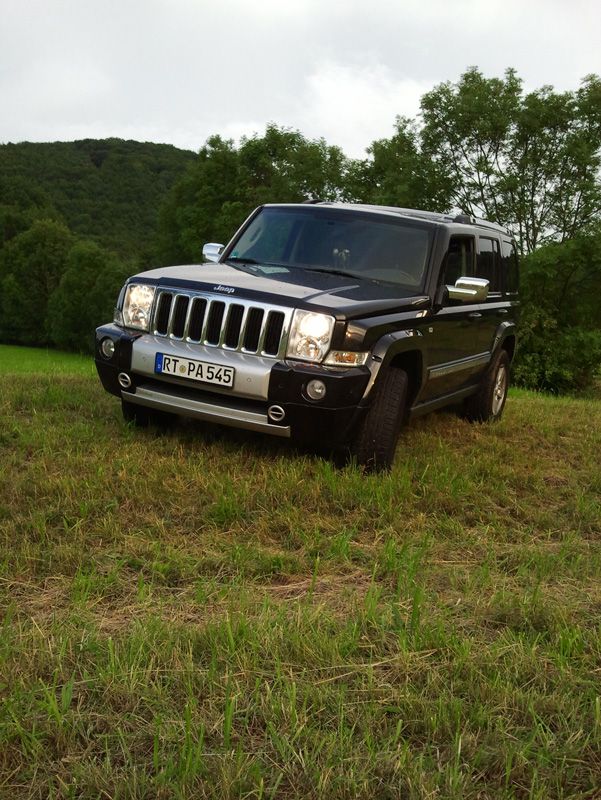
560	332
553	358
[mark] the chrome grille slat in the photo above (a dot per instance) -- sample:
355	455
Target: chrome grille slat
283	338
239	321
263	333
205	322
243	324
171	314
225	321
186	334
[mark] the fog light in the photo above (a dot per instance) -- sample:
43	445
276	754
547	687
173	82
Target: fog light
107	347
316	390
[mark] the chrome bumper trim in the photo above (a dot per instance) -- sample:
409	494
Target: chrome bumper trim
223	415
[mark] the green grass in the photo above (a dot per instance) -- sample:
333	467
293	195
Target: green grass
16	360
205	613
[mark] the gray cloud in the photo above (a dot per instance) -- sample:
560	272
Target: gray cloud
179	70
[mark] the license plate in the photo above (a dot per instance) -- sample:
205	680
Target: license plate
194	370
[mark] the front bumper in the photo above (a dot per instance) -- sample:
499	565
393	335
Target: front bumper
260	383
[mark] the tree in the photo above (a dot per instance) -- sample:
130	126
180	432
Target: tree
31	267
21	202
399	174
85	296
284	166
226	183
530	162
204	205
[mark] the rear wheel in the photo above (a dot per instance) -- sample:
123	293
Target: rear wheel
489	401
375	441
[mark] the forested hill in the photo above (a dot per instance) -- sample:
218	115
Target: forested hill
108	190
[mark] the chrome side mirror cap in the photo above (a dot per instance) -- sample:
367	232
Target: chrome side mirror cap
469	290
211	251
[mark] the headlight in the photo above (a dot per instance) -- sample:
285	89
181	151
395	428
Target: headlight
310	335
137	306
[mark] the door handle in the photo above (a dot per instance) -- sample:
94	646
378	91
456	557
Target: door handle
501	312
474	315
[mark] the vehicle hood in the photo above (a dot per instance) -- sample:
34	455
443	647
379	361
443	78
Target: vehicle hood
334	294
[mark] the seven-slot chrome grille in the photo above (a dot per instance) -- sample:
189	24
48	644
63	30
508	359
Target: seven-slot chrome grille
229	323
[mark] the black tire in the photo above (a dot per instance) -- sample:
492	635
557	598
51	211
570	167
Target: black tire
375	440
489	401
142	417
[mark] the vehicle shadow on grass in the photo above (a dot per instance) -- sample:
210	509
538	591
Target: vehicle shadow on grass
197	432
193	431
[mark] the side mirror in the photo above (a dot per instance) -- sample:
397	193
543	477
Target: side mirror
212	251
469	290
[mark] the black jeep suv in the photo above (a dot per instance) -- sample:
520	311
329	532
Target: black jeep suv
327	322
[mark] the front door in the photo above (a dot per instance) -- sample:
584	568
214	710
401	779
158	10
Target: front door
454	336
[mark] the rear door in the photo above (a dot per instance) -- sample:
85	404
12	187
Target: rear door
488	266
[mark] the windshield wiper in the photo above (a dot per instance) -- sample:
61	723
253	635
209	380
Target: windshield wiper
252	262
343	273
331	272
242	260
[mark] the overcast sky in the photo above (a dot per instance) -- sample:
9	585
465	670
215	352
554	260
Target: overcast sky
178	71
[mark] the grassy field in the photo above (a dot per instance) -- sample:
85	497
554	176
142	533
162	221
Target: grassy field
27	360
205	613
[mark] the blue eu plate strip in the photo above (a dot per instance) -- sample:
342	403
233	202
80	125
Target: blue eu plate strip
158	362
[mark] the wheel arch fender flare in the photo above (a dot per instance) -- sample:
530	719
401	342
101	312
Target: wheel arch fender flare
505	333
405	347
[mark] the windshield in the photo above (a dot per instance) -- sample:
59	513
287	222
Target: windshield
362	245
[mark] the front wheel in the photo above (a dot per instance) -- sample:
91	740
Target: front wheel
489	401
375	441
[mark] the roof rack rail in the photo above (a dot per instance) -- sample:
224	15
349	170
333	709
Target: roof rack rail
467	219
434	216
485	223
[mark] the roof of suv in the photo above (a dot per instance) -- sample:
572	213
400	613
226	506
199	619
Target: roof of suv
430	216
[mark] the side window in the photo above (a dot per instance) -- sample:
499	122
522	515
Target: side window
510	268
460	259
488	263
